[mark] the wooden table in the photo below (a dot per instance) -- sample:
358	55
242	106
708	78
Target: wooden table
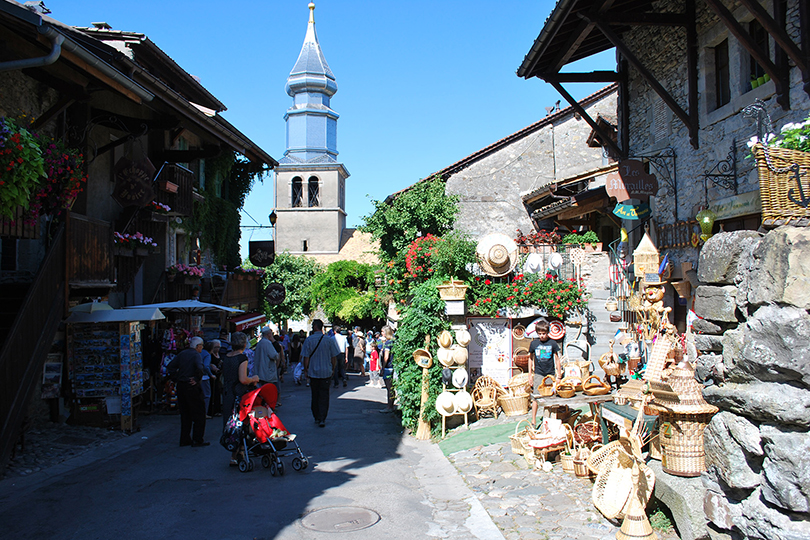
579	400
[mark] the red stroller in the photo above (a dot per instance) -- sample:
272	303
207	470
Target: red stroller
263	435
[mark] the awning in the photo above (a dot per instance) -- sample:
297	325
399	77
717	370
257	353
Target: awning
116	315
248	320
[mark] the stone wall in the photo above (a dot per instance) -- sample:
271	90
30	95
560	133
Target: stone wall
490	189
653	127
755	343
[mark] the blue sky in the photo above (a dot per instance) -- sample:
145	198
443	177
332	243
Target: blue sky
421	84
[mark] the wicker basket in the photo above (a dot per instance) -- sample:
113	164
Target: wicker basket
521	435
520	384
452	290
581	469
594	386
612	304
546	388
514	405
778	189
588	432
681	437
521	358
566	388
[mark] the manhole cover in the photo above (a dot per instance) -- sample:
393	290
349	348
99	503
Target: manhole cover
340	519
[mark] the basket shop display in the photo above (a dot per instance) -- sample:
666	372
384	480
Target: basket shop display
454	399
782	174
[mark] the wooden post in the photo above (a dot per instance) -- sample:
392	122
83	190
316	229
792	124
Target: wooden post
423	431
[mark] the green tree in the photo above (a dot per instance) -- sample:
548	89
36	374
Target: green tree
423	209
296	273
344	291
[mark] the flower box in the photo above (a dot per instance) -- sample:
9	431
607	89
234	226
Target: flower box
141	252
159	218
593	248
122	251
169	187
191	280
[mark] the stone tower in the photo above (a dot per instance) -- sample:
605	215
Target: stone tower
310	181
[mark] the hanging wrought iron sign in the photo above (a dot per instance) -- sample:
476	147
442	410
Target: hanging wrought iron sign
275	293
262	253
631	181
133	182
632	211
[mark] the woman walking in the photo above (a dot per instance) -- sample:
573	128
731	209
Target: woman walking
236	382
387	366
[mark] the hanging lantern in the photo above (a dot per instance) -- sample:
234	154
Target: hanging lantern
706	220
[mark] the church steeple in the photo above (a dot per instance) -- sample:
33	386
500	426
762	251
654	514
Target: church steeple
311	123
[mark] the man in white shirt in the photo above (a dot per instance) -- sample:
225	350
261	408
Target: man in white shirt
340	370
319	354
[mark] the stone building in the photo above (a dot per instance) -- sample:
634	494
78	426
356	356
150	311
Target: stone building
501	185
685	72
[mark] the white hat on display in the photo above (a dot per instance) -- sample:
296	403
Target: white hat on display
460	378
533	264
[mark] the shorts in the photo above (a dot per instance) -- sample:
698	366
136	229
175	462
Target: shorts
537	381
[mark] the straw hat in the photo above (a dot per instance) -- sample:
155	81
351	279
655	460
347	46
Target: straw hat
445	356
463	401
463	337
519	331
447	376
423	358
497	254
556	330
445	404
460	378
445	339
533	264
459	355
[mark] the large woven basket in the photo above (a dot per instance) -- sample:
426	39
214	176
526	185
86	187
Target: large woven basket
521	358
520	384
521	437
681	437
452	290
781	195
514	405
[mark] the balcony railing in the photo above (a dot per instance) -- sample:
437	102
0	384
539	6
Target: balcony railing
89	250
175	187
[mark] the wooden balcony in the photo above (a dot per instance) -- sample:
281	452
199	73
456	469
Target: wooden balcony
89	259
176	189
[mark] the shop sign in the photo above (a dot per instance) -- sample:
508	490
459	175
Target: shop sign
632	211
631	181
275	293
737	205
133	182
262	253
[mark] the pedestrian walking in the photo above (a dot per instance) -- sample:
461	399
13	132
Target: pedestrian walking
343	346
359	358
215	407
265	358
320	355
387	367
208	375
186	369
236	381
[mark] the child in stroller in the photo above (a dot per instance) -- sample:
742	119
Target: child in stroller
256	431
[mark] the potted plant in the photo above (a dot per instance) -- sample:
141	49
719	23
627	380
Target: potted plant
591	241
190	274
133	244
160	211
22	168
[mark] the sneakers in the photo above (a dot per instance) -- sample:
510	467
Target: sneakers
321	424
345	383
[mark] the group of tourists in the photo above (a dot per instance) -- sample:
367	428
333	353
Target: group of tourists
212	377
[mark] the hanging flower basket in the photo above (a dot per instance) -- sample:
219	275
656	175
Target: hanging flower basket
191	281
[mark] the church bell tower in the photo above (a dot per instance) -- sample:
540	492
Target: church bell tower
310	186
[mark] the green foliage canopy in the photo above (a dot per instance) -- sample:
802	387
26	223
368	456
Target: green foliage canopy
296	273
344	292
423	209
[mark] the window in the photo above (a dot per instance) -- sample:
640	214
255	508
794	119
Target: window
314	195
305	246
760	37
722	86
297	192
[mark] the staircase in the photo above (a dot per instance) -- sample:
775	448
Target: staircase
602	330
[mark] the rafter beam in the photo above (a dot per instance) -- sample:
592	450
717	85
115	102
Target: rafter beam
652	81
642	19
777	33
593	76
591	122
571	46
53	112
753	49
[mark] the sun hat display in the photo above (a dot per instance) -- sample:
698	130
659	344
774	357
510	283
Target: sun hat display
423	358
459	355
555	261
463	337
519	331
445	339
447	376
445	404
463	401
533	264
556	330
497	254
445	356
460	378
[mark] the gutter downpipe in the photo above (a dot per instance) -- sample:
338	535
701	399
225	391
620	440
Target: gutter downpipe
56	39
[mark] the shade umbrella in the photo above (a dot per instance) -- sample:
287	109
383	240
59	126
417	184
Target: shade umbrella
189	307
91	307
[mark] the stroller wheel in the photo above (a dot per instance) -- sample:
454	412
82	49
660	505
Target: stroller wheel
280	467
243	466
297	464
305	462
266	461
273	468
250	464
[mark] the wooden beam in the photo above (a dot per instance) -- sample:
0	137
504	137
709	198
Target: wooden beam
581	210
571	46
100	76
53	112
578	108
780	56
650	78
642	19
753	49
593	76
777	32
623	105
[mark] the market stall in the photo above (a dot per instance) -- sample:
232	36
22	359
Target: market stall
105	364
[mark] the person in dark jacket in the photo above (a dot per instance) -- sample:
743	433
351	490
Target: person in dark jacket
186	369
